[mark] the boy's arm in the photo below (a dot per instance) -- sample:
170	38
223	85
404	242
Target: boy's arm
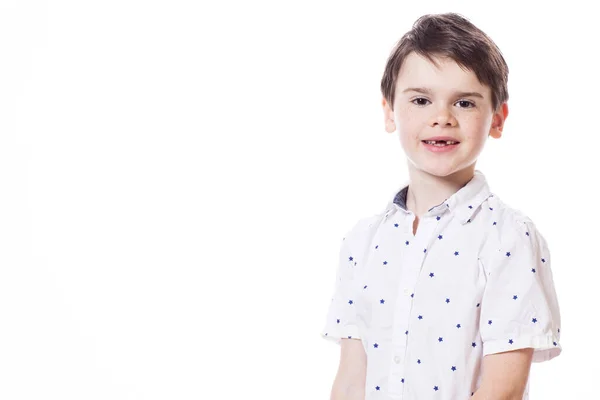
349	382
505	375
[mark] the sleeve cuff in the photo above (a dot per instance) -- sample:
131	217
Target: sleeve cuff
545	347
335	334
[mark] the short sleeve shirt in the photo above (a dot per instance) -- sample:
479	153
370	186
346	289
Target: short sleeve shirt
474	280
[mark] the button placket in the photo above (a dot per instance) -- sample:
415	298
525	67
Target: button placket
402	310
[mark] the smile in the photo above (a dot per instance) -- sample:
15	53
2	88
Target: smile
438	146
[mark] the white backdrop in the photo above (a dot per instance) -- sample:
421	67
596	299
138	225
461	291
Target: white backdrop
176	177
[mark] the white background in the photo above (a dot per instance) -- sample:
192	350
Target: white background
176	177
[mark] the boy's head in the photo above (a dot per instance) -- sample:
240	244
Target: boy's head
445	77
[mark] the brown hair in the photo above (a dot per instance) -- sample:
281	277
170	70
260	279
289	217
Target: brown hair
450	35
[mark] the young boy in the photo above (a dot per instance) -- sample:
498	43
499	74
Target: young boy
447	293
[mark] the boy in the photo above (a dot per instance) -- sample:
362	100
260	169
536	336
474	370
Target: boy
448	293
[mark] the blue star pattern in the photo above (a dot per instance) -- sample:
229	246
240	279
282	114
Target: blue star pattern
473	296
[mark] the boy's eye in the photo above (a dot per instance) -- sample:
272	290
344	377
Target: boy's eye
420	101
466	104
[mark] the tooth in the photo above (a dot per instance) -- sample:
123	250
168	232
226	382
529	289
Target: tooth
439	141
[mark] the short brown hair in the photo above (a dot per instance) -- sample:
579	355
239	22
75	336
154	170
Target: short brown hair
450	35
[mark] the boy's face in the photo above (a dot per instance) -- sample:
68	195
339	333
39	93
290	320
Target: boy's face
448	101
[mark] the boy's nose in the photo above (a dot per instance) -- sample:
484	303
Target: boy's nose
444	118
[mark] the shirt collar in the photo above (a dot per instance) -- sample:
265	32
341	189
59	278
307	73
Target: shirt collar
464	202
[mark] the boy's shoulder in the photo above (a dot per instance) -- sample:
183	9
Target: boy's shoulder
513	217
510	227
363	227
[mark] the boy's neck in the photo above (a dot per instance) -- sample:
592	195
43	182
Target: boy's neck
426	190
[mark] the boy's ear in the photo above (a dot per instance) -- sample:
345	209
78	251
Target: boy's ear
388	117
498	121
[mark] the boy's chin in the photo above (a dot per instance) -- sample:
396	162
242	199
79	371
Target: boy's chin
445	171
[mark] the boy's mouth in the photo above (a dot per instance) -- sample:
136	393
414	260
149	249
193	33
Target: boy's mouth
440	143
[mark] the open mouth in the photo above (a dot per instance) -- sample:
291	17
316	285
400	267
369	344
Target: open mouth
440	143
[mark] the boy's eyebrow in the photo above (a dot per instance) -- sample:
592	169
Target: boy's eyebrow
459	94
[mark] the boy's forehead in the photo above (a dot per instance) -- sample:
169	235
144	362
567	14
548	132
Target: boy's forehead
418	71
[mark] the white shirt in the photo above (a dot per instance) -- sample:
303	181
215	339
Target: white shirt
475	280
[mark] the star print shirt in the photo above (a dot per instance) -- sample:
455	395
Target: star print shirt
474	280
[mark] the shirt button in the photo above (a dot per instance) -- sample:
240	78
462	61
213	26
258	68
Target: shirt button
397	359
406	292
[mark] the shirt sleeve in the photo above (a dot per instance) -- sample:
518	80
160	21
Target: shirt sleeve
520	308
341	314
